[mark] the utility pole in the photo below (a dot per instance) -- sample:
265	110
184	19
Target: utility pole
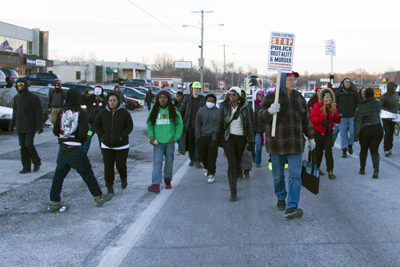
201	59
224	66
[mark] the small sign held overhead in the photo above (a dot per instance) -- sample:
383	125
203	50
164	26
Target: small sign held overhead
183	64
281	48
330	47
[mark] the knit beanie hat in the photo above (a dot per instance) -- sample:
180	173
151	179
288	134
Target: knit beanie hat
164	92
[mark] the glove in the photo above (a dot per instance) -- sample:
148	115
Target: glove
328	125
339	117
250	147
40	131
312	144
274	108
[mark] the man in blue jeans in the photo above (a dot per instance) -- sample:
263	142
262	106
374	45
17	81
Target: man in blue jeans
347	100
293	122
71	127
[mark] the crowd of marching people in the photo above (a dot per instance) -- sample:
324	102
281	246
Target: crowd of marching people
199	127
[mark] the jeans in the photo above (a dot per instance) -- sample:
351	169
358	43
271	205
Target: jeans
233	149
119	157
335	132
91	132
346	128
388	127
208	154
161	151
324	142
256	153
73	157
28	151
148	105
192	139
278	174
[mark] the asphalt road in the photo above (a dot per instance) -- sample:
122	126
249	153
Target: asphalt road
353	221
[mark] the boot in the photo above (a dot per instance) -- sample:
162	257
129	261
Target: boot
110	189
239	175
124	182
363	160
375	164
362	170
344	153
246	174
232	176
350	149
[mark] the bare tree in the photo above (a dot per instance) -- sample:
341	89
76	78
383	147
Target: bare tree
92	56
54	55
163	64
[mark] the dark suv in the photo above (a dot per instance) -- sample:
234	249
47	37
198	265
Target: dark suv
80	87
134	82
42	78
11	77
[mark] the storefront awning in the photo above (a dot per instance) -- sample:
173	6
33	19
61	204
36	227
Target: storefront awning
109	70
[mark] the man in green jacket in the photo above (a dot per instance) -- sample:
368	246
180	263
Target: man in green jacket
164	127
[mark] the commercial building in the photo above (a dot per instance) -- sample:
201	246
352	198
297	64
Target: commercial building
389	76
35	45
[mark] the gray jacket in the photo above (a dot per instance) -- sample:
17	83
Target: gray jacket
206	121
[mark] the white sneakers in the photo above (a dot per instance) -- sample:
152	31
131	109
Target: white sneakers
210	179
205	172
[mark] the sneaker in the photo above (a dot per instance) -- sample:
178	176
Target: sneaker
270	166
36	167
350	149
177	153
154	188
205	172
292	213
331	175
344	153
258	165
281	205
104	199
387	154
320	172
246	174
54	208
286	166
198	165
210	179
191	163
168	183
23	171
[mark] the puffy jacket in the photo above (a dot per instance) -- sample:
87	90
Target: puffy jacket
390	102
317	114
347	101
257	126
224	116
113	127
367	113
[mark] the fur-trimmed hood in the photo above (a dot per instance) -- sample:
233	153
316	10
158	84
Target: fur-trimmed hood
321	93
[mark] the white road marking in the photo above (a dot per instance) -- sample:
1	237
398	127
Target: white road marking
116	252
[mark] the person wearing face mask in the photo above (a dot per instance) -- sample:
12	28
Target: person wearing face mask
113	125
292	124
206	121
323	117
389	102
56	101
235	131
94	103
188	110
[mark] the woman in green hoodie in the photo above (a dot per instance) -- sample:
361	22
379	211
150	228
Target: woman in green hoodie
164	127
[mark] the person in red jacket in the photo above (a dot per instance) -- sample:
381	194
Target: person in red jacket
313	100
323	117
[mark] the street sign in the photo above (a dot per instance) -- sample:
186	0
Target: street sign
330	47
281	48
221	84
183	64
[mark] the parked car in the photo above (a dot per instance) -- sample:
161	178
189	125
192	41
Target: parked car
3	79
154	89
5	117
11	76
134	82
132	93
150	82
43	94
43	78
131	103
81	87
308	94
220	99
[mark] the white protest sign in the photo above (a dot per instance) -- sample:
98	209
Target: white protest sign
281	48
330	47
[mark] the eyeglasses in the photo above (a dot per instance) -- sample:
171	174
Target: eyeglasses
232	94
261	94
20	83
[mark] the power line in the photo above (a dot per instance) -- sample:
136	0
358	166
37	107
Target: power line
163	23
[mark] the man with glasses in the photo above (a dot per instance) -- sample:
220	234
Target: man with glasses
27	119
293	122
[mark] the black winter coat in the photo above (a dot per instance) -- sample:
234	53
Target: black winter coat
93	106
347	102
113	127
224	115
27	113
149	97
368	113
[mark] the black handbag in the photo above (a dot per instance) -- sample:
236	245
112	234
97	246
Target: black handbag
310	174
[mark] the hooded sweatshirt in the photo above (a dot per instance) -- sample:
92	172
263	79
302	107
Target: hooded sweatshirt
71	124
206	118
293	122
165	130
94	103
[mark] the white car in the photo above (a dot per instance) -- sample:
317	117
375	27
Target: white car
5	117
307	95
220	99
3	81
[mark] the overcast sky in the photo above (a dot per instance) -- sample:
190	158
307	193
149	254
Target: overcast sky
367	33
